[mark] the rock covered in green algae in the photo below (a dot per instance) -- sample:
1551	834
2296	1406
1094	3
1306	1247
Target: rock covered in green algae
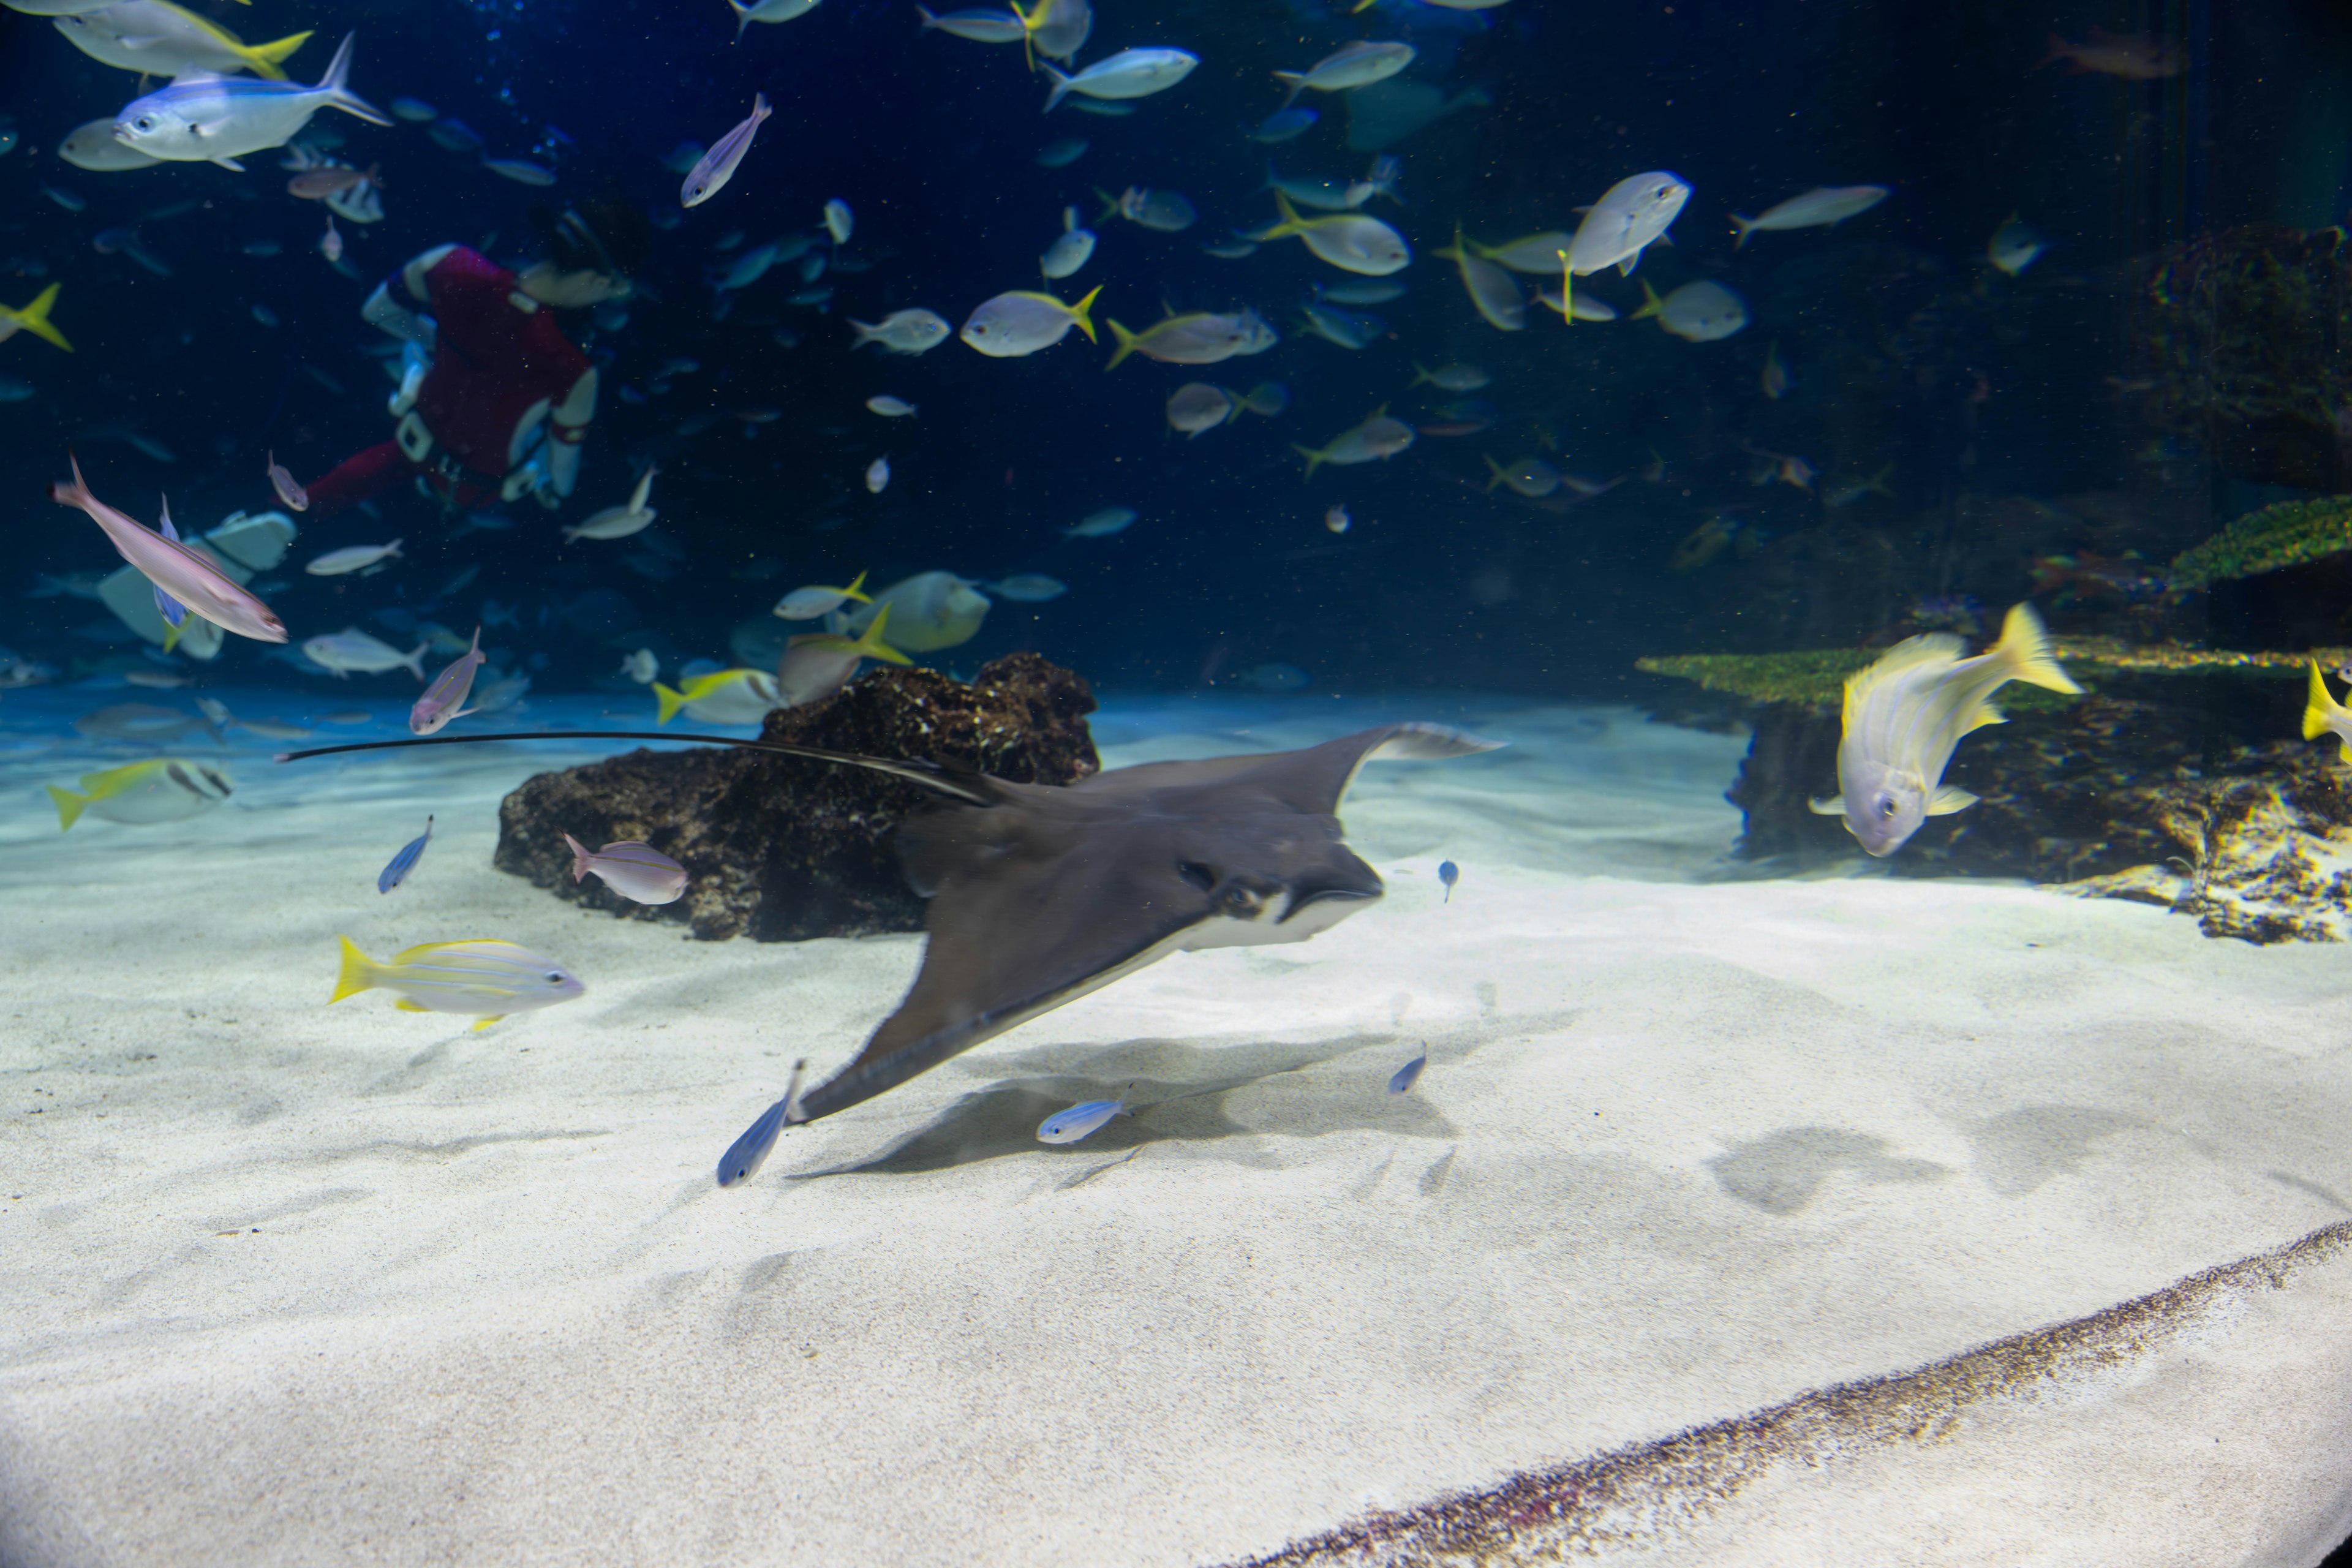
783	848
2286	533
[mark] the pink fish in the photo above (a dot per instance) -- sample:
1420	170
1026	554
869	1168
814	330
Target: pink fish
282	480
445	698
637	871
176	571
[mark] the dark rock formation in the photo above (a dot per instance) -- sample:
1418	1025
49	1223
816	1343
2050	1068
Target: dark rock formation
781	848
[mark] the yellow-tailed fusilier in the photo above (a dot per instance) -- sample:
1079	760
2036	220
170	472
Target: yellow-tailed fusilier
163	789
2322	715
488	979
721	697
34	318
1906	714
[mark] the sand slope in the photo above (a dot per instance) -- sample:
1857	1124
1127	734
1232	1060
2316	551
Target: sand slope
287	1283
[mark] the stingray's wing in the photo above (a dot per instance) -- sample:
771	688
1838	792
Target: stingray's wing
1033	904
1311	780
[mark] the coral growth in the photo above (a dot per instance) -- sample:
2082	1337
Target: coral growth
2289	533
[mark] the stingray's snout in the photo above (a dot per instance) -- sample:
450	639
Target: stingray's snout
1333	893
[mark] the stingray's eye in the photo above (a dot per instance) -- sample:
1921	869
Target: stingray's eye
1200	876
1886	805
1238	902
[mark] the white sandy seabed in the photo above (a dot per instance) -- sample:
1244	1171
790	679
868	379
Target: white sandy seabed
1847	1219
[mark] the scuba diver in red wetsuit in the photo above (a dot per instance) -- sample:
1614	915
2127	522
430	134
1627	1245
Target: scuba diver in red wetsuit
496	400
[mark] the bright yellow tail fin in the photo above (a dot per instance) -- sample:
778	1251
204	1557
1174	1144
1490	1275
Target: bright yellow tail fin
851	592
1314	458
1126	345
871	644
2024	647
358	972
671	701
1078	314
1650	304
34	317
1494	469
2317	713
264	58
69	806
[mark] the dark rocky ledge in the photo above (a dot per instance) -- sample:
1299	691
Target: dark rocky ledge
783	849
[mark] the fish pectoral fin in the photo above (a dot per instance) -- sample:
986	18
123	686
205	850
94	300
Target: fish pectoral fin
231	165
1833	806
488	1022
405	1005
1949	798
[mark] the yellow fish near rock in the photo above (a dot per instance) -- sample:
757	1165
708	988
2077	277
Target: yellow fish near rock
2322	715
1904	715
486	978
164	789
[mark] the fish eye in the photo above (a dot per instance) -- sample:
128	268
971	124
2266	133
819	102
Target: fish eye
145	122
555	977
1886	805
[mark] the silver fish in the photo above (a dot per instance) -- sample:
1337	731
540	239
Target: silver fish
717	165
637	871
445	699
204	118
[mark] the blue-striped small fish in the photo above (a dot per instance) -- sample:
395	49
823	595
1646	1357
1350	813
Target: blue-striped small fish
487	978
1408	1074
397	869
746	1155
1069	1126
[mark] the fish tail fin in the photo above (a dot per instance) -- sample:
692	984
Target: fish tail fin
1240	405
866	332
851	592
1878	482
1420	375
173	629
930	21
358	973
671	701
1650	304
1314	458
1109	202
34	317
1833	806
1295	81
264	58
1127	341
871	645
415	659
1078	314
2024	648
1290	224
1494	469
581	854
1744	224
335	84
486	1022
2317	713
1061	83
70	807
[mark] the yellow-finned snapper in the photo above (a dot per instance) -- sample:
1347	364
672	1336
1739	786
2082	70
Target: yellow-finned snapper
911	331
1701	313
1824	206
1378	437
2014	245
1536	253
1057	29
1631	216
161	789
1071	249
980	26
203	119
175	571
34	318
1130	73
1451	378
1491	290
1585	306
721	697
1359	64
1350	241
808	603
768	11
58	7
2322	715
1347	329
1529	477
487	979
1015	324
1204	337
718	166
157	38
1162	212
620	521
1906	714
817	663
933	610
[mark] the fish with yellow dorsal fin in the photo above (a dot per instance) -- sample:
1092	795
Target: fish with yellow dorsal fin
819	664
1904	715
34	318
721	697
807	604
488	979
161	789
2322	715
156	37
1350	241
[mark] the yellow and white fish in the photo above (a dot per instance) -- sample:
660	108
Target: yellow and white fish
34	318
161	789
2322	715
487	978
721	697
1906	714
819	664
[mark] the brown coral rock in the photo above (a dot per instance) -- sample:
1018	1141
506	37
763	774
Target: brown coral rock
783	848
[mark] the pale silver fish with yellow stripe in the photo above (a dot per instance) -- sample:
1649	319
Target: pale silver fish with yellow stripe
487	978
1904	715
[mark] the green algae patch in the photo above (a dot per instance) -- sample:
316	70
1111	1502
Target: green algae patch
2286	533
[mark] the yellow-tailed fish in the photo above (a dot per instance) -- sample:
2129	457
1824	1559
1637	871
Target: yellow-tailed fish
488	979
34	318
721	697
819	664
2322	715
1906	714
161	789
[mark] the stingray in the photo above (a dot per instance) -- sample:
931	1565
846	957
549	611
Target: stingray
1039	894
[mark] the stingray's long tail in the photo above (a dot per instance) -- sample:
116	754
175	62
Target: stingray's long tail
955	784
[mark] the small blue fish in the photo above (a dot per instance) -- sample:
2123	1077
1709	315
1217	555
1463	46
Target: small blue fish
1408	1074
746	1155
1449	874
401	863
1069	1126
